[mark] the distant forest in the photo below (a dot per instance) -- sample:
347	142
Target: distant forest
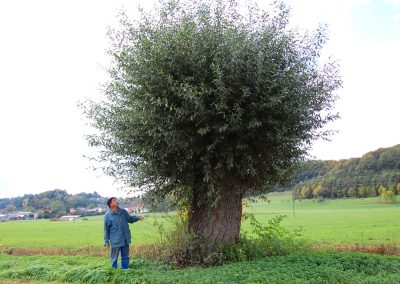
58	202
376	173
52	203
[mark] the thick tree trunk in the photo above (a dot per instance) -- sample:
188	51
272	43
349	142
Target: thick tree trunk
222	222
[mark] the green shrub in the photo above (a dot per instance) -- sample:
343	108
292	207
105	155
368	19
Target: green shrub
387	196
267	240
181	247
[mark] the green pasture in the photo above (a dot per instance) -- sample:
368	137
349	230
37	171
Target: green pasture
337	221
78	234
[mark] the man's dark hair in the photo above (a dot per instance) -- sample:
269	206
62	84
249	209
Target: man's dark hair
110	200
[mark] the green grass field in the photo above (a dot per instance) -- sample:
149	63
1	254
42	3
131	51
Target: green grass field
340	221
336	221
44	233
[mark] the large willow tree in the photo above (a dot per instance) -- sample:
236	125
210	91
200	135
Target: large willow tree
206	102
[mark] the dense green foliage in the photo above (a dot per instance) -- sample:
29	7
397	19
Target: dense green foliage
305	267
200	94
375	173
157	204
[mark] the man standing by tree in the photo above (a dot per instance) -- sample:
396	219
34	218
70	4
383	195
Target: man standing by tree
117	233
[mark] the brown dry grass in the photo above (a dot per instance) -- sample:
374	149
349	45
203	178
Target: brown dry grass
153	251
148	251
376	249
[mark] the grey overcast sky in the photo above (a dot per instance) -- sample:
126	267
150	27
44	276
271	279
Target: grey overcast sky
51	53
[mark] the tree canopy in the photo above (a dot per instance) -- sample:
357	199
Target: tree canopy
205	97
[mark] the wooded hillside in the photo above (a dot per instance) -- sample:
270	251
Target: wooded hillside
374	173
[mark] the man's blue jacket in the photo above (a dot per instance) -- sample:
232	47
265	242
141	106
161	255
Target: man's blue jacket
116	228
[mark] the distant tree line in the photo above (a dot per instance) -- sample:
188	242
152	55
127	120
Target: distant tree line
53	203
376	173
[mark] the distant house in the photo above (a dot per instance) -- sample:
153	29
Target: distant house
95	210
91	211
128	209
132	209
137	209
23	216
28	215
70	218
4	218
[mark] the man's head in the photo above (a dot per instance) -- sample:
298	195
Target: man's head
112	203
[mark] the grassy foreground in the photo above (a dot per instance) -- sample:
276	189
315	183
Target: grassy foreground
305	267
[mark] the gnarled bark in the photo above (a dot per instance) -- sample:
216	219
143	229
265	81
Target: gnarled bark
220	223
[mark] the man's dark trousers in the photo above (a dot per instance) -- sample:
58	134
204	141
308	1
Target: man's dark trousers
124	256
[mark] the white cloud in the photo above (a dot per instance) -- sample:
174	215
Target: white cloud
393	2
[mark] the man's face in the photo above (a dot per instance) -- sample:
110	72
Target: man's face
114	204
